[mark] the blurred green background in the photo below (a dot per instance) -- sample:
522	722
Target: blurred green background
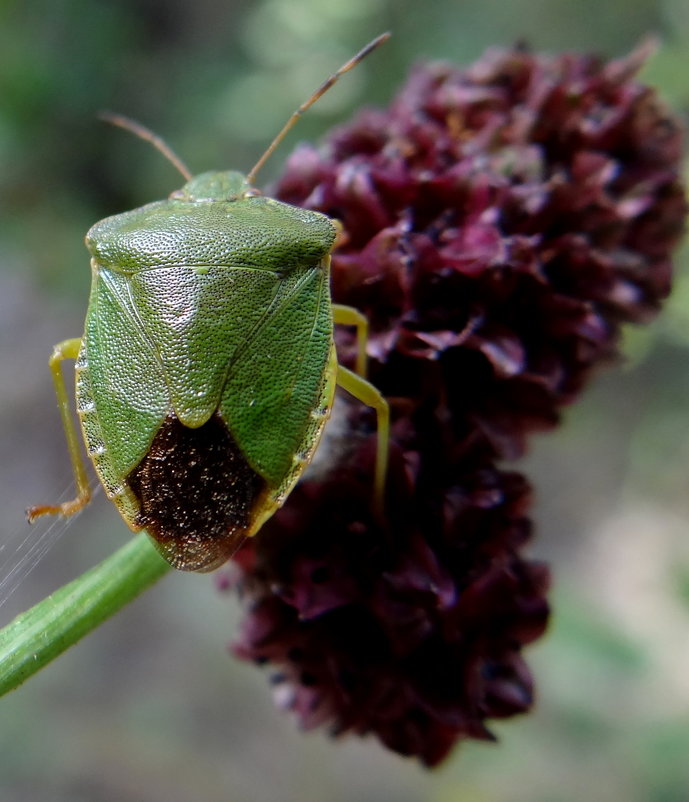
150	707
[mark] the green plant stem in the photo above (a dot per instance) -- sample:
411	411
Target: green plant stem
40	634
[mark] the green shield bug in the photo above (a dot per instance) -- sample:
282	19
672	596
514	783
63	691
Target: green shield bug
207	367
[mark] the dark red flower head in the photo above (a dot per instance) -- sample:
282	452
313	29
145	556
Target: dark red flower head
500	223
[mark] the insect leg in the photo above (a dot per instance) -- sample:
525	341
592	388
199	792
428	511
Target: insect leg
68	349
366	393
349	316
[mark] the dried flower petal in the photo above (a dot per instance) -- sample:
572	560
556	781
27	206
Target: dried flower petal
500	223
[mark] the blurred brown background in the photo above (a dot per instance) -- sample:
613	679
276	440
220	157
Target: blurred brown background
150	707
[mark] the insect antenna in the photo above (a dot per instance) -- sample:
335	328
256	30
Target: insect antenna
322	89
146	134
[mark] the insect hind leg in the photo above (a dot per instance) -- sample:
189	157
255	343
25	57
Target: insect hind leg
365	392
68	349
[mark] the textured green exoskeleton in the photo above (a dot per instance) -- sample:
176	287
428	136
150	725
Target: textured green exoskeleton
207	368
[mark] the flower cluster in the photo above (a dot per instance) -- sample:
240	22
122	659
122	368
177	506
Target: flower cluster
499	224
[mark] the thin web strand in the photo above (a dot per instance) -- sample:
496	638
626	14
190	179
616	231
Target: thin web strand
18	559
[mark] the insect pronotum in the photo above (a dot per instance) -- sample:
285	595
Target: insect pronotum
207	367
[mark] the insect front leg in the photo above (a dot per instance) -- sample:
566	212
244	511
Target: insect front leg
68	349
349	316
355	383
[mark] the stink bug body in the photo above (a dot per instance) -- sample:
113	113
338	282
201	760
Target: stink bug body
207	368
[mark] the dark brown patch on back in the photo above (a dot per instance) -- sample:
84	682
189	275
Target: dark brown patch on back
196	491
